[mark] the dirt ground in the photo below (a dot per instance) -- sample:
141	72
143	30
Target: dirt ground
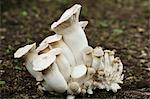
123	25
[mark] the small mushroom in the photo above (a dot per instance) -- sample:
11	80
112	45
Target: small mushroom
74	88
97	56
29	53
83	91
108	60
87	56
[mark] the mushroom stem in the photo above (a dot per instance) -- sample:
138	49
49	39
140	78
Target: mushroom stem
53	78
62	62
29	66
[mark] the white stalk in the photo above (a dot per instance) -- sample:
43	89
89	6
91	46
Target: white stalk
107	63
73	35
54	79
29	54
63	64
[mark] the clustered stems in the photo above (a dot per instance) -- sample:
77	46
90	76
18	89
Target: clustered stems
64	62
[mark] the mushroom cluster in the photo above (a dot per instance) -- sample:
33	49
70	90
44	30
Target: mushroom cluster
64	62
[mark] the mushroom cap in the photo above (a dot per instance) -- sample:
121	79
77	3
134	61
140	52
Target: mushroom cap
98	51
88	50
53	38
48	40
67	14
109	52
78	71
74	86
42	47
24	50
43	61
83	91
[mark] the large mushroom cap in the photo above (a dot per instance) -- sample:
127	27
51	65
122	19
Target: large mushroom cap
24	50
43	61
48	40
98	51
75	10
78	71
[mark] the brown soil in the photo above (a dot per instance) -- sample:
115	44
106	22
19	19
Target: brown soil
122	25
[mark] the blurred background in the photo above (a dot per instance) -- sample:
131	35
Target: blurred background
123	25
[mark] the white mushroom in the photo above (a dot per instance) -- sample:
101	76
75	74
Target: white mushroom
87	56
55	41
83	91
73	35
52	76
108	60
97	56
29	54
65	61
74	88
